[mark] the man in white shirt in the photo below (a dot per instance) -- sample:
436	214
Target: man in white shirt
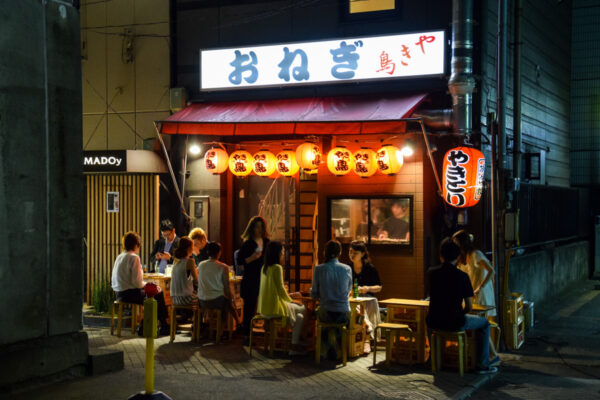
127	280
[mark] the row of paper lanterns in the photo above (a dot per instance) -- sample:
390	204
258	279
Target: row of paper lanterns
340	161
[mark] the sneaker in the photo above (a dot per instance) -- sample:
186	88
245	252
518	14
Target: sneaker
494	362
488	370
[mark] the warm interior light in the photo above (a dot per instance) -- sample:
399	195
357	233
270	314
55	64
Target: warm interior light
195	149
407	151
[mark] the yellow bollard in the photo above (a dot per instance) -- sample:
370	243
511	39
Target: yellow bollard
150	328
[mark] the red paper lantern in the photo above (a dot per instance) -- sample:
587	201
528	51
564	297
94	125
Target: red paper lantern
264	163
389	159
464	168
240	163
340	161
286	163
365	163
216	160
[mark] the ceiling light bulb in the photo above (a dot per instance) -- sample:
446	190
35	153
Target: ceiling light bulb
195	149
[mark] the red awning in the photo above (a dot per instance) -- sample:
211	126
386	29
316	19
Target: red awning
307	116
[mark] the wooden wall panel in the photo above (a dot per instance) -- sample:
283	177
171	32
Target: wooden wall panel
138	211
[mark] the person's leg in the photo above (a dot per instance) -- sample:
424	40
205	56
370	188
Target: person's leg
161	309
249	311
298	317
481	326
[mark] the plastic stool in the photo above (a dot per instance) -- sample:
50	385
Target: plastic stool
194	309
344	334
436	348
120	304
391	333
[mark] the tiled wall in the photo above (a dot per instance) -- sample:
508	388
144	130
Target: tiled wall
585	93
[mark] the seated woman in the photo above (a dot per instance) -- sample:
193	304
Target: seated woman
127	280
184	275
213	283
274	300
368	282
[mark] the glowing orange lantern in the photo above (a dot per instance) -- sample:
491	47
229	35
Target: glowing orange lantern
340	161
216	160
308	156
389	159
240	163
286	163
264	163
464	168
365	163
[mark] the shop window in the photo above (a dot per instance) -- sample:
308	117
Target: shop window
375	220
366	6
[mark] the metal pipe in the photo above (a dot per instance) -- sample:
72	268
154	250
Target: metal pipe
518	11
492	126
436	119
501	83
429	153
461	83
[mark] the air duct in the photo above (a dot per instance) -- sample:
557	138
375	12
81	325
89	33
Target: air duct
462	83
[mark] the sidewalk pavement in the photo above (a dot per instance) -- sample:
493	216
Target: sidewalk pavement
185	370
561	356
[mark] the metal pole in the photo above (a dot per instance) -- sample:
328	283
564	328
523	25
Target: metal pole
426	139
518	11
149	365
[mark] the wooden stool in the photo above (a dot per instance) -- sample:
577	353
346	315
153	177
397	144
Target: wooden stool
438	342
120	304
391	331
271	326
215	322
195	320
344	334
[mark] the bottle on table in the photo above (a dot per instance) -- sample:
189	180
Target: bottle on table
355	289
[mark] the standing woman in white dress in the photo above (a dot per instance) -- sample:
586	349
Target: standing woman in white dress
481	273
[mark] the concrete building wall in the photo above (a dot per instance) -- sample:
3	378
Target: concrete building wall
41	192
125	65
585	93
543	274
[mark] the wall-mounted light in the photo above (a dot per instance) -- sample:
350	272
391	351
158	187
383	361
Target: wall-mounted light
407	150
195	149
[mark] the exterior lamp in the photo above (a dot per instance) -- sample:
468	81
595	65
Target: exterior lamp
216	160
340	161
286	163
389	159
407	150
308	156
464	168
240	163
264	163
195	149
365	163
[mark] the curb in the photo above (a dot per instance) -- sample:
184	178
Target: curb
474	386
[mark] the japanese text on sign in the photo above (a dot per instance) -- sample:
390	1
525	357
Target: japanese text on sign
456	177
383	57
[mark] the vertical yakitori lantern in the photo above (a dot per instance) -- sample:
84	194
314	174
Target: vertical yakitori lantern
365	163
286	163
464	168
308	156
240	163
389	159
264	163
340	161
216	160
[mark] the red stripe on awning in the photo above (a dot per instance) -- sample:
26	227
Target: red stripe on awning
307	116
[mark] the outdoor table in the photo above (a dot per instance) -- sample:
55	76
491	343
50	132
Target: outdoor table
163	282
412	313
481	309
369	308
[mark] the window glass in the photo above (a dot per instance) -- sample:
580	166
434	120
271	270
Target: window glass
363	6
349	219
390	219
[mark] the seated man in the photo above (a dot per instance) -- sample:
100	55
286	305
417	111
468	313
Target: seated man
164	247
127	280
332	283
449	286
213	283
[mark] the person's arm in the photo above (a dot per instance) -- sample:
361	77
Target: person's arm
138	274
155	252
191	266
468	305
226	287
278	277
314	290
489	271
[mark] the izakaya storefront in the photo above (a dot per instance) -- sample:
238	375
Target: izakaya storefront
353	167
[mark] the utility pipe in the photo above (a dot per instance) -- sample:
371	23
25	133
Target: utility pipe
518	11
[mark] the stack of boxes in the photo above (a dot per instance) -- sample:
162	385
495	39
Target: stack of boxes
514	321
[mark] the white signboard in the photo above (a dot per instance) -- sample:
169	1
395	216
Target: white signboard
351	59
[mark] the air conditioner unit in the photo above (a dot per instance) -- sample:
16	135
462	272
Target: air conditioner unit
178	99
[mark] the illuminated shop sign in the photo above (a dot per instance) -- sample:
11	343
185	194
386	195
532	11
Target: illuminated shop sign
105	161
350	59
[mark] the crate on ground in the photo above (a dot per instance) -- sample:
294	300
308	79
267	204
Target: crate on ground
513	308
514	334
450	353
401	350
402	314
356	341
